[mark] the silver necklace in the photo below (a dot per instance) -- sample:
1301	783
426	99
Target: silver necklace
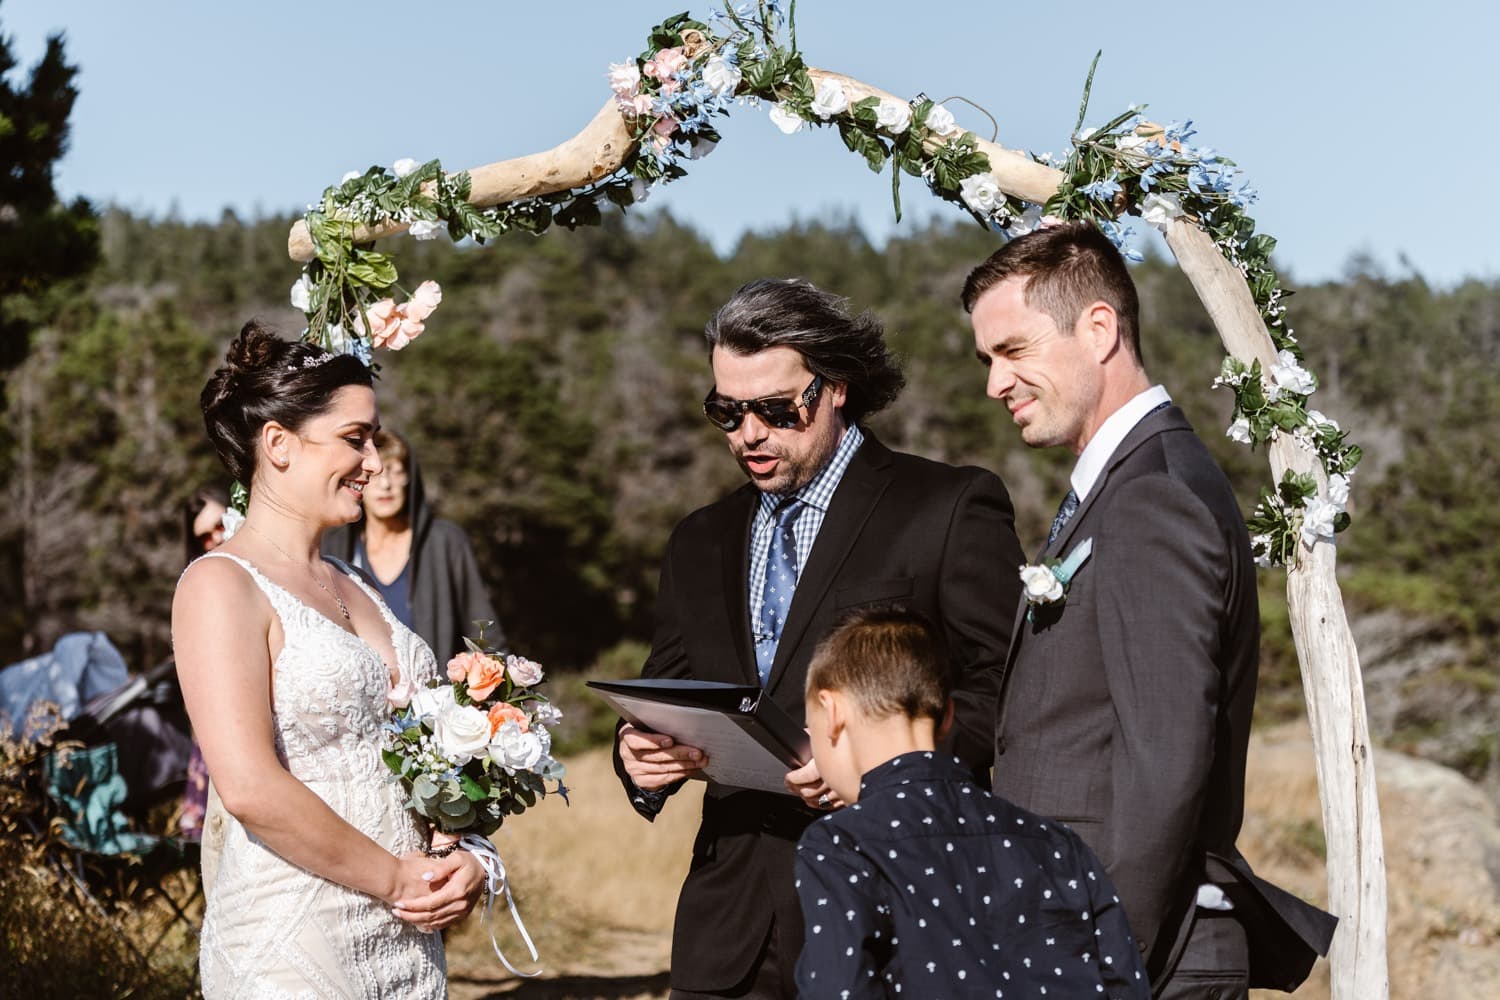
343	608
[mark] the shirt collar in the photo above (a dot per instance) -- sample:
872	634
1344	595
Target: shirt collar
919	765
1099	450
819	490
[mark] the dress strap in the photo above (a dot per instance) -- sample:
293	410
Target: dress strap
282	601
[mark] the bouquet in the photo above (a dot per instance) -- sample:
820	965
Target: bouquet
476	748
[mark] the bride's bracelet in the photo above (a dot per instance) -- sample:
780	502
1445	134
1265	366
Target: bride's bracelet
441	852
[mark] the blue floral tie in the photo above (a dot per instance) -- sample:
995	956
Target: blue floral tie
776	594
1065	510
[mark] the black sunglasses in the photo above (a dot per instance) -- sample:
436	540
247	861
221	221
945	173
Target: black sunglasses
777	411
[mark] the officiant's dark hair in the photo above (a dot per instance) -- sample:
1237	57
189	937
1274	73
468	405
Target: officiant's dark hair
889	660
816	324
265	378
1069	268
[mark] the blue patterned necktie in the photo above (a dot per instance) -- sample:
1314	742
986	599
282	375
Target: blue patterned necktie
1065	510
776	593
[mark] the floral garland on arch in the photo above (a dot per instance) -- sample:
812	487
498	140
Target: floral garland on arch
693	72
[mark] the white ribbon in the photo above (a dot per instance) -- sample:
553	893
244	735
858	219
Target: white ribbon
494	869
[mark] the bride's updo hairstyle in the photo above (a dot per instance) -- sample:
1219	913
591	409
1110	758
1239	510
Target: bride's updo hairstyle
265	378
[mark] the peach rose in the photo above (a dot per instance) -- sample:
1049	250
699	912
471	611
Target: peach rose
484	676
506	712
382	320
423	301
458	667
670	62
402	332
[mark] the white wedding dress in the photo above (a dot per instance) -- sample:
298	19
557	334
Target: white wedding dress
271	929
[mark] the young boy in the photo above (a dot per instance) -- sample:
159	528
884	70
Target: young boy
925	885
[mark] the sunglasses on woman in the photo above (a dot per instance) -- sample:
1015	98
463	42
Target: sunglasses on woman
776	411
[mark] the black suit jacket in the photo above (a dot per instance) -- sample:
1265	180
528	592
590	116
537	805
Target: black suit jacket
1126	707
899	530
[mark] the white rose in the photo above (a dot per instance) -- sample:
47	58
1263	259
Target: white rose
624	78
1320	421
1239	431
231	521
981	193
399	696
424	230
523	672
513	749
786	119
1338	491
721	75
829	99
1317	521
940	120
893	116
338	339
1292	376
350	176
1040	584
461	731
545	713
404	166
1029	220
1158	210
429	703
302	294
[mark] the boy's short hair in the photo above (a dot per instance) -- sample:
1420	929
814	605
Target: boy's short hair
889	660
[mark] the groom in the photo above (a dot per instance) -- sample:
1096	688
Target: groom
830	520
1126	702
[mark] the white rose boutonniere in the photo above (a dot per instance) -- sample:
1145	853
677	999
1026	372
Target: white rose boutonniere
1048	582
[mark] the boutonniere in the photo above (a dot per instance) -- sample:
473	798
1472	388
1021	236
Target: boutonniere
1047	582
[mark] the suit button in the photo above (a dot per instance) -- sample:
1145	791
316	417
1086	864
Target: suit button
1142	946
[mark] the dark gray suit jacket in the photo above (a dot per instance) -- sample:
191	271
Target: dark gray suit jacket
900	530
1125	708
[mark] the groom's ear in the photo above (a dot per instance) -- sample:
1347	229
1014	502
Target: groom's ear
1101	325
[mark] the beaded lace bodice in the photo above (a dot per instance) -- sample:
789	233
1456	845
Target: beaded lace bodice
272	929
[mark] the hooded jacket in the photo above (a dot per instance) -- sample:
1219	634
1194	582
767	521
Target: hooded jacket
447	593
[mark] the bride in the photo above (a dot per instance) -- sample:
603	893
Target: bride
323	888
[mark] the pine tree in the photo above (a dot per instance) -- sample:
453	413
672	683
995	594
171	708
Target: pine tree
42	241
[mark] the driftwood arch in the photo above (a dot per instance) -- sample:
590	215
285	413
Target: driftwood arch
1331	677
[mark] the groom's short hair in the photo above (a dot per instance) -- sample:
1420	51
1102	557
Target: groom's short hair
842	348
1068	268
889	660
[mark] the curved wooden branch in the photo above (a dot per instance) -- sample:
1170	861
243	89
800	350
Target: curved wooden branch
596	152
1331	676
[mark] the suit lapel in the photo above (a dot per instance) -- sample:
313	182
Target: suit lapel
862	485
734	558
1164	420
1168	419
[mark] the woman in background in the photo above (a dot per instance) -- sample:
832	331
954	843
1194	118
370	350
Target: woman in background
422	565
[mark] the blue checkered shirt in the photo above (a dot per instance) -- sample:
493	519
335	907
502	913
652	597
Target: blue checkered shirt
817	494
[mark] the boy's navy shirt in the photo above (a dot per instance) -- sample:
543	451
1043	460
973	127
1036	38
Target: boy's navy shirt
930	887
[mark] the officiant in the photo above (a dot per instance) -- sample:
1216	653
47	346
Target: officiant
829	520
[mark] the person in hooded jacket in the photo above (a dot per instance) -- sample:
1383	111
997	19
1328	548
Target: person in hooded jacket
422	565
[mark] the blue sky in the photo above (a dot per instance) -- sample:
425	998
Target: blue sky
1367	126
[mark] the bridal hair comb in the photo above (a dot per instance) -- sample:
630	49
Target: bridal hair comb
313	361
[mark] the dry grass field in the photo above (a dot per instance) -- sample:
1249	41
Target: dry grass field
597	884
